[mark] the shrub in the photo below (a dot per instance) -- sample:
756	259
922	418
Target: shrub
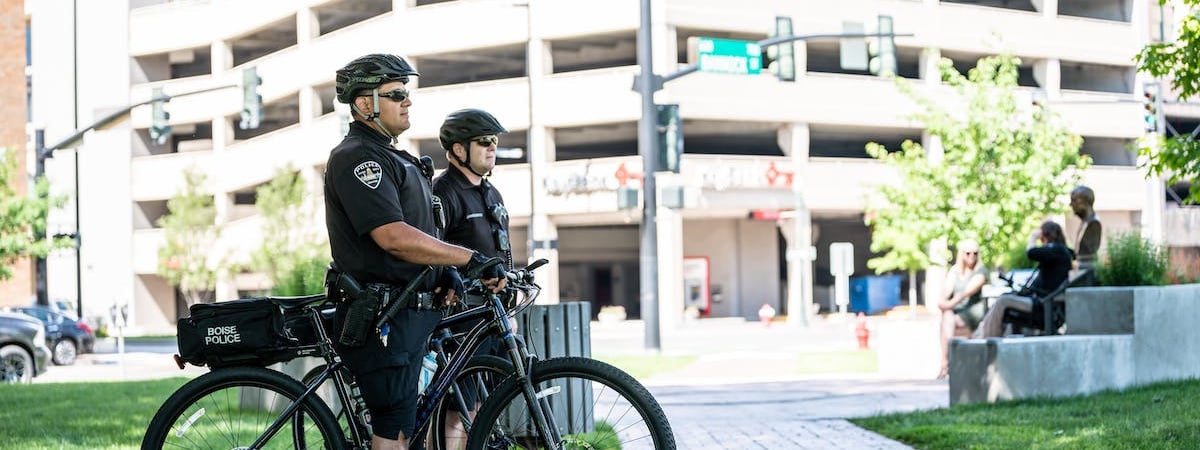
306	277
1130	260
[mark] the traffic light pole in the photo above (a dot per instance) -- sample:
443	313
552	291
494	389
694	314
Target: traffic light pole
42	153
647	83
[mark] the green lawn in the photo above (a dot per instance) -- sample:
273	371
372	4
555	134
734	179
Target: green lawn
1163	416
645	366
80	415
849	361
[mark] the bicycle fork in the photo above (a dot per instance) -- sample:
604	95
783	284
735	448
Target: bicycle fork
539	406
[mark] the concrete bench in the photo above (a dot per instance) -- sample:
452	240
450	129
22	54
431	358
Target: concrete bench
1117	338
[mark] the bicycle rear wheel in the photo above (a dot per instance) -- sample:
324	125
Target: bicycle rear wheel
481	375
590	404
232	407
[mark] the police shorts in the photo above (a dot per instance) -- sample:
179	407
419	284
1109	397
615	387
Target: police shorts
387	375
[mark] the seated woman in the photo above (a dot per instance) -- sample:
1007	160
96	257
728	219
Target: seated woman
1054	260
962	302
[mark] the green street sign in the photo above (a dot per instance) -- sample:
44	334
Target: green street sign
725	55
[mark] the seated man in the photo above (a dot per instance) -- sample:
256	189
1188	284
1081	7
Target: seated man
1054	263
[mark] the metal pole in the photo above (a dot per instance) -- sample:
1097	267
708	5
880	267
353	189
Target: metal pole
78	246
647	143
39	262
532	241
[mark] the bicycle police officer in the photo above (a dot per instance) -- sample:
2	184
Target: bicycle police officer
473	208
380	216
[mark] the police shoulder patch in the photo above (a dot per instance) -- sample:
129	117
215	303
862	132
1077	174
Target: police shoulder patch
369	173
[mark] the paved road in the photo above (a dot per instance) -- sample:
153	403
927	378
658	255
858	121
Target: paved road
739	394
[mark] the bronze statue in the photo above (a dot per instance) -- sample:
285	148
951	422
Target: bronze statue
1087	240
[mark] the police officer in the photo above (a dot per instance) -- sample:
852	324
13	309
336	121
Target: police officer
474	210
380	216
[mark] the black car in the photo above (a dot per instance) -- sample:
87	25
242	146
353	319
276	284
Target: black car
23	351
66	336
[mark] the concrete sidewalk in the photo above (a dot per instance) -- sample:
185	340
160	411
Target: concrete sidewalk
743	390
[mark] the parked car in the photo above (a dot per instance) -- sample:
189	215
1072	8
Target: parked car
66	336
23	351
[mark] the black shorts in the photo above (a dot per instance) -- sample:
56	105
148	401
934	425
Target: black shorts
387	375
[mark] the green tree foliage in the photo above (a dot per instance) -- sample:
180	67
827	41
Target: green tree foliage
1005	166
1177	157
293	255
186	259
23	217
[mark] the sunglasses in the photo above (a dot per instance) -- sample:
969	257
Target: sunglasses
971	253
486	141
396	95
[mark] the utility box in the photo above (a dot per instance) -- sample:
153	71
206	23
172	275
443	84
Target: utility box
874	294
553	331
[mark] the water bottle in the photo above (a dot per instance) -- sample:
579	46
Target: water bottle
429	365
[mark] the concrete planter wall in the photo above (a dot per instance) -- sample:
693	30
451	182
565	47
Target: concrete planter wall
1118	337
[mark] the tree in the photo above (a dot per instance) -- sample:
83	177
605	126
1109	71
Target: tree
23	217
293	255
1004	168
187	260
1176	157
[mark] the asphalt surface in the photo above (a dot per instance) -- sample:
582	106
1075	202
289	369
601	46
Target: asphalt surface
742	391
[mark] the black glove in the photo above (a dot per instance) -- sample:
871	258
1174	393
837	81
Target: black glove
484	268
447	281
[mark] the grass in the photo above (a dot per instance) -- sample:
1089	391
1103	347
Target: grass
1161	416
642	367
849	361
80	415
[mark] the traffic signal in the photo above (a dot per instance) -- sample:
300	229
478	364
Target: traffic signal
782	57
252	109
1151	106
160	129
670	138
882	49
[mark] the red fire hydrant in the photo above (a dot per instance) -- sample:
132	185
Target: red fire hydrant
766	314
862	333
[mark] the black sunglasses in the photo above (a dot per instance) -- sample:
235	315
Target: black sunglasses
487	141
397	95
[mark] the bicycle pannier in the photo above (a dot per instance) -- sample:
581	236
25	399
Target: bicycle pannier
239	332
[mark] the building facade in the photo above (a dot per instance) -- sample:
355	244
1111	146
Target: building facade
771	169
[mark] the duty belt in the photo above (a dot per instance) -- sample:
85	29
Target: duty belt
422	301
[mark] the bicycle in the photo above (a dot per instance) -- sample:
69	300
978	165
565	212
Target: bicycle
255	407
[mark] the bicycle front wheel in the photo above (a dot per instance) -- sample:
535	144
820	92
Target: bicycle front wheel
450	424
588	405
232	407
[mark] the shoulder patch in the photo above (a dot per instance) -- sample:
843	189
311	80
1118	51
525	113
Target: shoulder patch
369	173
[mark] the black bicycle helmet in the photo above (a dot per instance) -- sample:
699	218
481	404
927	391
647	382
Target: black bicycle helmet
464	124
368	72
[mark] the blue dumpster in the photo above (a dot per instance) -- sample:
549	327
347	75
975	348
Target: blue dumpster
874	294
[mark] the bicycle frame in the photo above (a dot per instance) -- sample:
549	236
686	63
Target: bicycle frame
491	318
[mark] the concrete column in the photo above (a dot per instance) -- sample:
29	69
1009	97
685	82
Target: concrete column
310	105
543	233
670	258
222	57
933	147
222	134
928	69
307	26
400	5
1048	74
794	140
1048	8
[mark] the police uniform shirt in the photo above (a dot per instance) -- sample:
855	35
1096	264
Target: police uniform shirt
368	183
470	213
